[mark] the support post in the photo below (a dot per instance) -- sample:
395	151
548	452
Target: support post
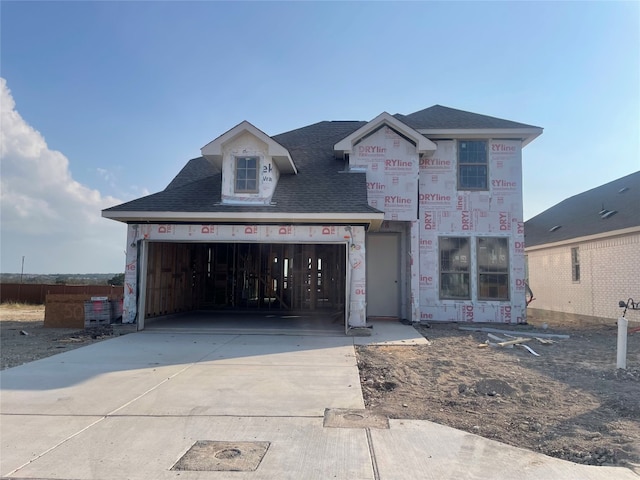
623	324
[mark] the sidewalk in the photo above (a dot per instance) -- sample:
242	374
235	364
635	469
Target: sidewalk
133	406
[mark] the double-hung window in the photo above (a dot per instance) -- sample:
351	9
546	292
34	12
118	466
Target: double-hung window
246	175
472	165
454	268
493	268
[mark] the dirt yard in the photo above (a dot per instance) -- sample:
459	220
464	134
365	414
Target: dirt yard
570	402
23	337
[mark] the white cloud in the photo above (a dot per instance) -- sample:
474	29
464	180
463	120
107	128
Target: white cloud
47	216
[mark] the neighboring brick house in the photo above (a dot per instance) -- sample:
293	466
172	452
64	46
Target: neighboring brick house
583	253
417	217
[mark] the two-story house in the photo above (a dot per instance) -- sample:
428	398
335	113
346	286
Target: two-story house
416	217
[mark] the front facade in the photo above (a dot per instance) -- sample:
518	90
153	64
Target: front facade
417	217
582	253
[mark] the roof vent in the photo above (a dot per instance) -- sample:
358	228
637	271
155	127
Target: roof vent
608	213
554	228
623	189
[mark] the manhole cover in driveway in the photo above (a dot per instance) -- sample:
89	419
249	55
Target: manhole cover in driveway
350	418
212	456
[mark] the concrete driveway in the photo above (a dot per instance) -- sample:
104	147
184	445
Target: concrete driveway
194	406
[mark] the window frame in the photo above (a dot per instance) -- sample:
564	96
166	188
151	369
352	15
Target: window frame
452	271
236	181
462	164
499	271
575	264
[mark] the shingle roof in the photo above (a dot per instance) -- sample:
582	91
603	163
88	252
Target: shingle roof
321	185
439	117
582	214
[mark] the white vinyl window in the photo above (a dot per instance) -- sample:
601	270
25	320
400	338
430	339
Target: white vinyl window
472	165
455	261
246	175
493	268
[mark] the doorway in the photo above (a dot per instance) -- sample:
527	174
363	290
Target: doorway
383	275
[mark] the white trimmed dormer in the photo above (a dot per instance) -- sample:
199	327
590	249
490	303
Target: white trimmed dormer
422	144
251	164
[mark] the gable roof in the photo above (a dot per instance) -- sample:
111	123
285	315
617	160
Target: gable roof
321	191
587	214
213	150
321	187
422	143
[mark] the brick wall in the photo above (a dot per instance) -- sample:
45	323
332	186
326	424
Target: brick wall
608	273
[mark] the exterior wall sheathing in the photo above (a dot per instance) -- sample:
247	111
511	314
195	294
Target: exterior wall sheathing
420	198
140	235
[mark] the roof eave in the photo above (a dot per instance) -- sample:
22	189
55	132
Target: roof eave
373	220
584	238
527	135
213	151
423	144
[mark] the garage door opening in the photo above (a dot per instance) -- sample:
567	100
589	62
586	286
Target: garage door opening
258	278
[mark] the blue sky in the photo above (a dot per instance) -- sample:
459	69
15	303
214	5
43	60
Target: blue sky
103	102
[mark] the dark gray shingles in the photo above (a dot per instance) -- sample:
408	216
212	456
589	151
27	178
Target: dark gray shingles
320	186
439	117
579	215
194	170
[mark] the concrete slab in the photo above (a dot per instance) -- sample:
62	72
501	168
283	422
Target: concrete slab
25	437
442	453
391	332
130	407
54	388
147	447
285	350
245	323
252	390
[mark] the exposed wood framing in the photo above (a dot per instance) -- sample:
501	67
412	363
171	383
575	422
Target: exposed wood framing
290	277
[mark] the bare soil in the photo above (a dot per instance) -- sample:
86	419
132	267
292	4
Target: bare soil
23	337
569	403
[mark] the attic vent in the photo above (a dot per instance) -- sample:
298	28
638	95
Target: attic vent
623	189
608	213
554	228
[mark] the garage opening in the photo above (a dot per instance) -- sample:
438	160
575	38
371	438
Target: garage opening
245	277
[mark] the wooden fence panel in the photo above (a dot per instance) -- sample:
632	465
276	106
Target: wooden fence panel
36	293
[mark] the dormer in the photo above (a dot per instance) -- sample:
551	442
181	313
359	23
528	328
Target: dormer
347	146
251	164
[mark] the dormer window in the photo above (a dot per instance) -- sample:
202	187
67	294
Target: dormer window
247	174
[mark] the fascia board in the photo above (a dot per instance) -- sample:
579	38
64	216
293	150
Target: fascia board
245	217
423	144
214	149
526	134
586	238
